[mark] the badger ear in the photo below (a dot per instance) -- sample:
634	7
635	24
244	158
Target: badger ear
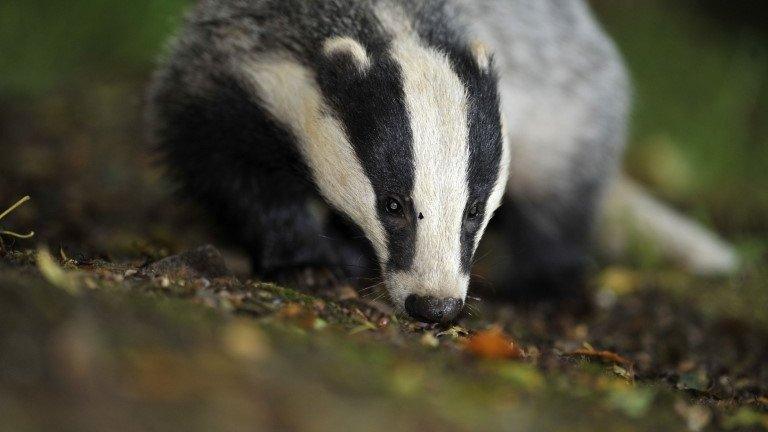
348	48
481	54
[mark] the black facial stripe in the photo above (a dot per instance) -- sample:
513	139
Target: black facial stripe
371	106
484	116
485	149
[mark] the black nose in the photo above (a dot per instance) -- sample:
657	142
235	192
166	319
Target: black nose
431	309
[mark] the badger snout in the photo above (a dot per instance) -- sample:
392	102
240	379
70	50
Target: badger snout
432	309
428	296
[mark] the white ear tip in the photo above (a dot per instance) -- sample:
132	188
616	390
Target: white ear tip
482	54
347	45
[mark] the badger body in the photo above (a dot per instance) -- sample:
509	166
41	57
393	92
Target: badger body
350	134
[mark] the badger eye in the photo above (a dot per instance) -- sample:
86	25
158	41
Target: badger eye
474	211
394	207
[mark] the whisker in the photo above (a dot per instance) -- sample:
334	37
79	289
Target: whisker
479	276
373	294
480	258
369	290
371	286
378	296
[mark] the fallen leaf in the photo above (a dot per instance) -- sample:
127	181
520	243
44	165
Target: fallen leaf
623	372
305	317
696	417
605	356
291	310
55	274
362	328
455	332
493	343
345	293
428	339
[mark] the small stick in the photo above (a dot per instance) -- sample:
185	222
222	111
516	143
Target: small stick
7	212
14	207
17	235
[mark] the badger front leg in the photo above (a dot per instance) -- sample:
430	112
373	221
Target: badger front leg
294	241
291	235
550	247
555	190
283	234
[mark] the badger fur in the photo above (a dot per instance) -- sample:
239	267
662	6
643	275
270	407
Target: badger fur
339	133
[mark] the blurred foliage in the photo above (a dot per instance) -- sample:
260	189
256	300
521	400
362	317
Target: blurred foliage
700	124
49	44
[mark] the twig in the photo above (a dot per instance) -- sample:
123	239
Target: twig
7	212
17	235
14	207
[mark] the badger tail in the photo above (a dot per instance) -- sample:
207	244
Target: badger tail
631	214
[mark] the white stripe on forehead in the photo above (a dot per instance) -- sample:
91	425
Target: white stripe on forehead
290	93
436	100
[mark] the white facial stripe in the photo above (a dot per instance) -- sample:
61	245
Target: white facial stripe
349	46
290	93
500	187
437	105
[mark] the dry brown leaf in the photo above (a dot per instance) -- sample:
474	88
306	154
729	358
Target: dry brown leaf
291	310
605	356
493	343
304	317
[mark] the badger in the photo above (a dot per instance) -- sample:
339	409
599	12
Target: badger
360	135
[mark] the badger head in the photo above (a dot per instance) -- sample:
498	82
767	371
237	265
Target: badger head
406	140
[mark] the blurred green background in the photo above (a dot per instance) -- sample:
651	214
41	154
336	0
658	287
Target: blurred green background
72	77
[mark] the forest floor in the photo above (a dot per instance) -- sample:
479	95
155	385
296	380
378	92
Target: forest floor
180	343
